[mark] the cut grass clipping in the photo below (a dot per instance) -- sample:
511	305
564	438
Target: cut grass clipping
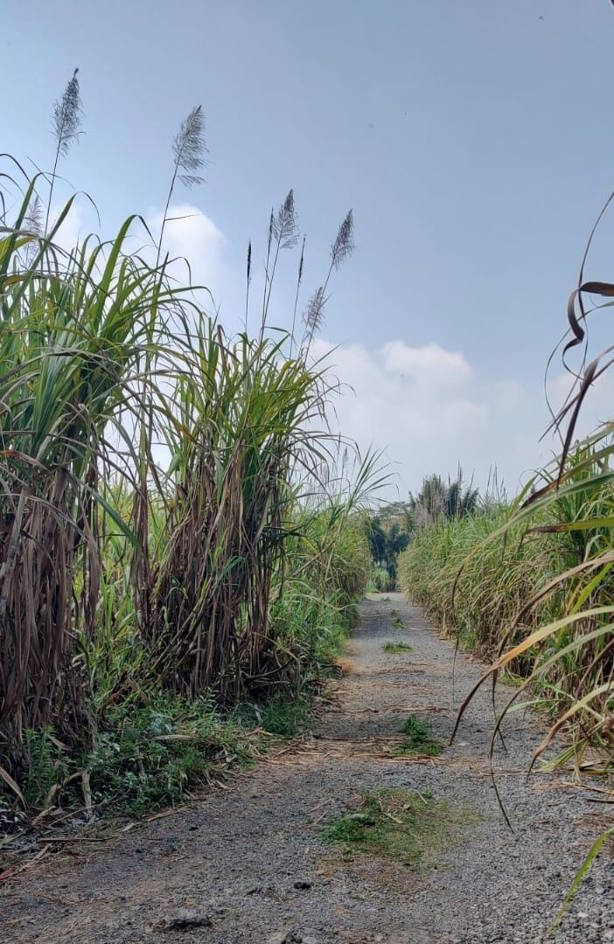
419	738
397	647
409	827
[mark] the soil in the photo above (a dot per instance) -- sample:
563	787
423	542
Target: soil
249	864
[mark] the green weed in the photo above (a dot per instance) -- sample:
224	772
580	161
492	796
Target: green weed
46	766
285	716
149	756
409	827
397	647
282	715
145	755
419	738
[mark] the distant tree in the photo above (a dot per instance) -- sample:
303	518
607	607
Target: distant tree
377	541
397	540
386	545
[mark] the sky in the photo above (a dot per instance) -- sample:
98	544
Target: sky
474	142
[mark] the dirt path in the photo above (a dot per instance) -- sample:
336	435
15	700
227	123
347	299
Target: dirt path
248	864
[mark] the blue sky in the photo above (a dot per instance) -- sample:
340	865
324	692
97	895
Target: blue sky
473	140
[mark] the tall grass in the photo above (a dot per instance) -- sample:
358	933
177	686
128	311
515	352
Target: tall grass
72	325
248	420
159	534
529	586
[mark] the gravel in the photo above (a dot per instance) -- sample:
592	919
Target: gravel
247	864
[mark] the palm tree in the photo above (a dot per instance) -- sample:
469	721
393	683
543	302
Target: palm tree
438	499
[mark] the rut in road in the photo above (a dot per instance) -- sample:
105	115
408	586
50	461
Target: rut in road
248	864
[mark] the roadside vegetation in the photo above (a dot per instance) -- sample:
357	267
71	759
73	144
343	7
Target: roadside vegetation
176	569
528	582
528	585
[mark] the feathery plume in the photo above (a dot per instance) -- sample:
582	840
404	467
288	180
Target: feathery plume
344	243
33	225
283	234
285	224
296	294
314	313
339	251
66	125
247	281
33	220
67	114
189	148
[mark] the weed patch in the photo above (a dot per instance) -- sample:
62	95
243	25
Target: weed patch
409	827
419	738
280	715
150	756
397	647
144	756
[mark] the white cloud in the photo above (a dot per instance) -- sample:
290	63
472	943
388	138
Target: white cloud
430	409
426	365
194	241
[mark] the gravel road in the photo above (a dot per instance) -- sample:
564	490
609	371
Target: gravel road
247	864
